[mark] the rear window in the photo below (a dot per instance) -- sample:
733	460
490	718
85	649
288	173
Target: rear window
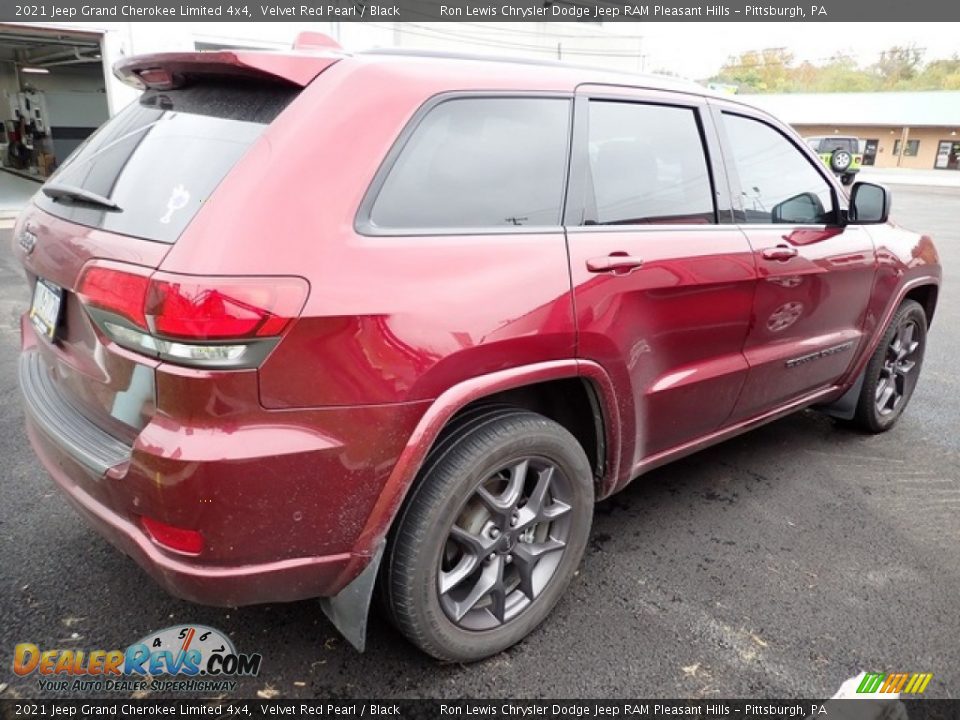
160	158
831	144
479	163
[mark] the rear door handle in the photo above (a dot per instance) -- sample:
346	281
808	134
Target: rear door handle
780	252
617	263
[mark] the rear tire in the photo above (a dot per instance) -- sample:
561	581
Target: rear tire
491	536
892	373
847	179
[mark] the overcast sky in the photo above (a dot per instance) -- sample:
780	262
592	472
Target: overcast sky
698	49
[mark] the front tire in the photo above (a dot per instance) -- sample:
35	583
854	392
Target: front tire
491	536
892	373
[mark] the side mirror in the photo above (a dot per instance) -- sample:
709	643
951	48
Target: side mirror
869	204
799	209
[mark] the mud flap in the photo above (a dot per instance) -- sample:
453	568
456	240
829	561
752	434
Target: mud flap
349	609
846	406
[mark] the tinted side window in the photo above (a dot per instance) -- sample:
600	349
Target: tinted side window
479	163
648	166
778	184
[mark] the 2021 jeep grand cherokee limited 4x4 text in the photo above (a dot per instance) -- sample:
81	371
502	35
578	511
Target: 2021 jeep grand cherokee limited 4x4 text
313	324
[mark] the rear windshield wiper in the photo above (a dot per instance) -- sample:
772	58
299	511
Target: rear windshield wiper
70	192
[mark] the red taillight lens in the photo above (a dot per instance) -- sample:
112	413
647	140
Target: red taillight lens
231	308
201	321
116	291
181	540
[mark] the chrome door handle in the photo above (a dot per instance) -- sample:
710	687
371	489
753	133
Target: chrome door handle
780	252
617	263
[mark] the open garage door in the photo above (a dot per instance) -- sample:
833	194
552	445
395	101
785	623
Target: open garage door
52	96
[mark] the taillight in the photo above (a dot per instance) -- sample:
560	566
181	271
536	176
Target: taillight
201	321
121	293
230	308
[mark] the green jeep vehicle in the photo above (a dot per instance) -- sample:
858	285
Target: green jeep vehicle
840	153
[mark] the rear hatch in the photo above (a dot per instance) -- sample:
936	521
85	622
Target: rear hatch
106	220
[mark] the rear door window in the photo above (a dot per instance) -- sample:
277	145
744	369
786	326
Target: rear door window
478	163
161	158
647	165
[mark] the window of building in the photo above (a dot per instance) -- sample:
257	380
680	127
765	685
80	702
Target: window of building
778	184
910	149
647	165
479	163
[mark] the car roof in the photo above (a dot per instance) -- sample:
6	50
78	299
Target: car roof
533	69
447	69
830	137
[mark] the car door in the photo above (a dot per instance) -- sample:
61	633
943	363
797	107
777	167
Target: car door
815	272
663	281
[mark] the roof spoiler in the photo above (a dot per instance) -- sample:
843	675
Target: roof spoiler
165	71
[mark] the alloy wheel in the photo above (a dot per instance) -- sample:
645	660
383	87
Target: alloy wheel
897	376
505	544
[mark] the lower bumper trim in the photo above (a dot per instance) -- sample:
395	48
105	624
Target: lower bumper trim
87	444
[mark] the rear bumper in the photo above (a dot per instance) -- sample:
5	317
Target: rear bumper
228	586
281	498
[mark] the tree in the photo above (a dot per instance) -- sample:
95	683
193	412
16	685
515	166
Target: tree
898	68
840	74
941	75
759	70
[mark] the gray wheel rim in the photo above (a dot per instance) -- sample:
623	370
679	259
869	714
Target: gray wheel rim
898	373
505	544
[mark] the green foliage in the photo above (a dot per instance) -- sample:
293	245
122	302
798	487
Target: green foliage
899	68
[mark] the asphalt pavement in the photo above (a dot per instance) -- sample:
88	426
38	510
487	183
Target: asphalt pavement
777	564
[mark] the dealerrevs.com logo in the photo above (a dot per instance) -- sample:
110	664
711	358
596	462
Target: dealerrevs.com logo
182	658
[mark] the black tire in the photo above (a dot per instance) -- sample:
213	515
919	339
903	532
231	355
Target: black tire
892	373
500	447
840	160
847	179
467	421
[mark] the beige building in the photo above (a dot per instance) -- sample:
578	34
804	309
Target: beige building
896	129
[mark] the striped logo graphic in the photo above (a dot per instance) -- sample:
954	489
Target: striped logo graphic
910	683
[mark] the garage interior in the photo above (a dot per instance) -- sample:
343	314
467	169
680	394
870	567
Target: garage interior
52	97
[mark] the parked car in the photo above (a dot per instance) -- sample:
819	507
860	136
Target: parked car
841	153
313	324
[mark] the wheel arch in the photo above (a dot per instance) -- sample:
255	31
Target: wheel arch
530	387
925	287
348	610
926	294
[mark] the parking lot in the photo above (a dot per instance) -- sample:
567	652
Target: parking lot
777	564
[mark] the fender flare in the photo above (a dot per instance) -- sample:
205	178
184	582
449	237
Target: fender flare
348	610
858	367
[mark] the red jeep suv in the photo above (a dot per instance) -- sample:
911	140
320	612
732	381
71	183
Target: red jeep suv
314	324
